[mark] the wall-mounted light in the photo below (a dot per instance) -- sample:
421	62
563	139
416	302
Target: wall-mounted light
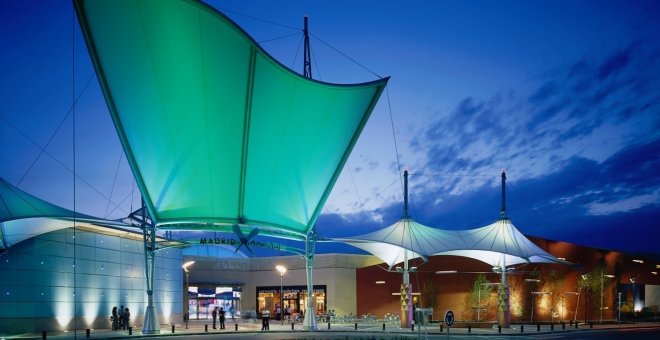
446	272
638	261
380	282
654	273
562	258
396	294
532	280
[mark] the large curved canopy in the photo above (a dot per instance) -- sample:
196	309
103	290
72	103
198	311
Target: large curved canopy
215	130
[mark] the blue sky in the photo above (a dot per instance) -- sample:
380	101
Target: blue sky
564	95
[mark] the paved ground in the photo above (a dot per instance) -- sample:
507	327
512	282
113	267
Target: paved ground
252	330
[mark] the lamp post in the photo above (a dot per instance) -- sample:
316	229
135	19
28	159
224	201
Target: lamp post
577	304
632	281
562	302
282	270
602	290
531	318
186	315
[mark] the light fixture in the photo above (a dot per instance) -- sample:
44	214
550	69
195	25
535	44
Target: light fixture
532	280
446	272
572	293
413	269
380	282
281	269
609	275
562	258
396	294
654	273
398	269
187	264
638	261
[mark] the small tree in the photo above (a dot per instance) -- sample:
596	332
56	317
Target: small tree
479	300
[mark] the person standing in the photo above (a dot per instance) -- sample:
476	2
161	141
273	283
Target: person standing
222	318
127	318
115	319
265	315
121	318
214	314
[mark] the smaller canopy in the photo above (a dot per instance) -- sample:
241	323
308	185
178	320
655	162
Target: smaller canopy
405	239
23	216
490	244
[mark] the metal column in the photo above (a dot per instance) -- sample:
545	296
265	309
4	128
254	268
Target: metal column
309	323
151	325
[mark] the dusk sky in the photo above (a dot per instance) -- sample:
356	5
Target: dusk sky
563	95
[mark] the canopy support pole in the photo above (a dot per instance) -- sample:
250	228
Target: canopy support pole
503	312
151	324
406	295
406	287
307	68
309	323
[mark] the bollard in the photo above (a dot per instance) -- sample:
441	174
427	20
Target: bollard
130	330
172	328
522	328
236	327
440	328
499	329
552	327
206	328
383	326
571	322
591	325
43	335
292	325
538	327
469	329
576	325
563	325
87	331
412	327
356	326
328	326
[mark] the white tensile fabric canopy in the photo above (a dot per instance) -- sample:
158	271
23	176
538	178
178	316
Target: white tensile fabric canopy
490	244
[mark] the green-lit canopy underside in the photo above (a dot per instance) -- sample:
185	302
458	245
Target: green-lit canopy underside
216	130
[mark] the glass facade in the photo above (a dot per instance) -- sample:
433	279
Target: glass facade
293	298
203	299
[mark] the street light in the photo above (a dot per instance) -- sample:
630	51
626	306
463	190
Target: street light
602	289
531	318
577	304
282	270
186	315
562	302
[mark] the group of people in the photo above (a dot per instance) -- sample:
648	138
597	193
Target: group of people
120	318
221	314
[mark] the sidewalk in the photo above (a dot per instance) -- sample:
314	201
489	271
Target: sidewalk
204	327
